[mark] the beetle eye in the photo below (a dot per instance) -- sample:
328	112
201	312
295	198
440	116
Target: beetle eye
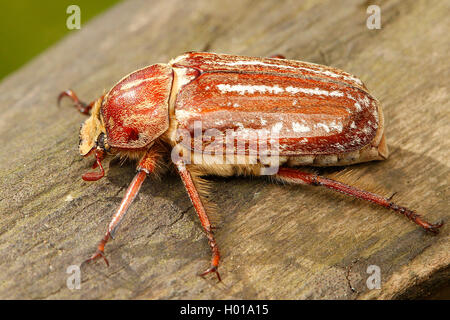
101	141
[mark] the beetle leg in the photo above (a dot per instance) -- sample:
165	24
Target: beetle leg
277	56
297	176
200	209
145	167
94	176
81	106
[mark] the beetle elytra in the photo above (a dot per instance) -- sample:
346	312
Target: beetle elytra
309	115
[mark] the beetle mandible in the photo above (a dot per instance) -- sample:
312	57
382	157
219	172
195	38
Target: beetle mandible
315	115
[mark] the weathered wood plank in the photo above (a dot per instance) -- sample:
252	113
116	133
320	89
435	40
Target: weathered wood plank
276	241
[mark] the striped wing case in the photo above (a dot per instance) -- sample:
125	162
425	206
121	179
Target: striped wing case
311	109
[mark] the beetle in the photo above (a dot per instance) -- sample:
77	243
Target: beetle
315	116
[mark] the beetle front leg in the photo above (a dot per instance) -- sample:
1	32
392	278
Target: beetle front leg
145	167
297	176
81	106
200	209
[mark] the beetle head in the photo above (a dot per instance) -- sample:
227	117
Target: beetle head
93	133
93	140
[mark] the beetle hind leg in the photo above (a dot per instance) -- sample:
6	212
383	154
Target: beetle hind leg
301	177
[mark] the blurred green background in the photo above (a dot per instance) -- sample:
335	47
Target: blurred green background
28	27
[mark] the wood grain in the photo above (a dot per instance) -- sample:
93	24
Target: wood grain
277	242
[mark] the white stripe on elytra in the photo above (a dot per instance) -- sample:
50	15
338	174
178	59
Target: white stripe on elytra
242	89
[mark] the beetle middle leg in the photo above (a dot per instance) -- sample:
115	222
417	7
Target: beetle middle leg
146	166
204	219
297	176
81	106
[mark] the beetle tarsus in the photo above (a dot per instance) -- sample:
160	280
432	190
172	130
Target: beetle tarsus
211	270
416	218
434	228
97	255
100	250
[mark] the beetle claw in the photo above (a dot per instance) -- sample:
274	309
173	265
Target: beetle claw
210	270
97	255
434	228
100	250
392	196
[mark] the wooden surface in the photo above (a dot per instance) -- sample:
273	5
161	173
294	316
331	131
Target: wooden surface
277	242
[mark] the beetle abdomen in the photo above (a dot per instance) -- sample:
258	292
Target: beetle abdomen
311	109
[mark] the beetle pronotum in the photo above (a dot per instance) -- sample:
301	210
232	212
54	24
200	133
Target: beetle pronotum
314	115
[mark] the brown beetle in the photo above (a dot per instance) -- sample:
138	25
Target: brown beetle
227	115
